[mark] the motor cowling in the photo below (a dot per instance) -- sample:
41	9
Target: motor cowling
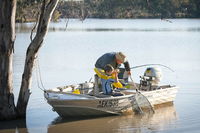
153	75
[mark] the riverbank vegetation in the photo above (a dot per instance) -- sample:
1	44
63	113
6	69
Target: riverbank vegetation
27	10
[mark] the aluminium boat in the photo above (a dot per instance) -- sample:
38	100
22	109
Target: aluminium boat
86	100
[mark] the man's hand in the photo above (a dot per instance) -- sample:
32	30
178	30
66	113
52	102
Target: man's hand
117	70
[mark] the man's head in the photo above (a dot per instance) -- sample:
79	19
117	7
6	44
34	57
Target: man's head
108	69
120	57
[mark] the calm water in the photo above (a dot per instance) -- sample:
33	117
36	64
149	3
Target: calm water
68	57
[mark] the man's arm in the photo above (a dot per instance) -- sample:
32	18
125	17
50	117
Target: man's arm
127	66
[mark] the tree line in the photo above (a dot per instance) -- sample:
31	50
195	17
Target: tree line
27	9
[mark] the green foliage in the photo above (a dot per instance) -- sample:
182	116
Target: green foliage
113	9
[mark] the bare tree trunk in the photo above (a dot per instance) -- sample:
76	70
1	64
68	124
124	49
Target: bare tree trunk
7	39
32	51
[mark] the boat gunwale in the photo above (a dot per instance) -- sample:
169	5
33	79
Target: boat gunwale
86	96
159	90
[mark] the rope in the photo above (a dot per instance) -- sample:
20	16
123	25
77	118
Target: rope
39	77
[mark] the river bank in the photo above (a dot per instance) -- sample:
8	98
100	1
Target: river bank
111	9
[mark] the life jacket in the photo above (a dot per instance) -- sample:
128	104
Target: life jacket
101	73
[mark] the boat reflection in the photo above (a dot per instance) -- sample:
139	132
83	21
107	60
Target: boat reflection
164	116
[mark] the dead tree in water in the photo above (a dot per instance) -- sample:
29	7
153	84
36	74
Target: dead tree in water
7	39
8	110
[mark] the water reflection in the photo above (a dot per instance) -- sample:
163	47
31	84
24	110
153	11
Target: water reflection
15	126
163	117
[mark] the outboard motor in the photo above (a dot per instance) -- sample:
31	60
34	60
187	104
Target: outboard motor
152	77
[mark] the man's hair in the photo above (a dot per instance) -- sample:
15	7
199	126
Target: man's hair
108	68
120	56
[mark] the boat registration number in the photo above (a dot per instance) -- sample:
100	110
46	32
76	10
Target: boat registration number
107	103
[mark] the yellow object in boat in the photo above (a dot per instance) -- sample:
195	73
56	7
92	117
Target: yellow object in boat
76	91
117	85
127	86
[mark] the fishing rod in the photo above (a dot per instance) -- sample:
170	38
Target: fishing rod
152	65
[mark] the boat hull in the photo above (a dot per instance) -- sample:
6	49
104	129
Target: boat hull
161	96
89	106
158	96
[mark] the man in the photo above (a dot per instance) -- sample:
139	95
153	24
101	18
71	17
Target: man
115	59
